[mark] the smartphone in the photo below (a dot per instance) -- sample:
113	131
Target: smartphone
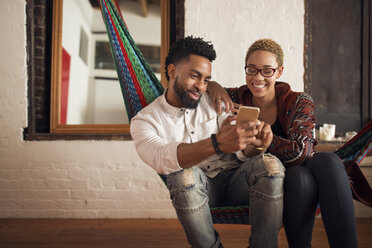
247	113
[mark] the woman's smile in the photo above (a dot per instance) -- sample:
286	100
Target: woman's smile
259	85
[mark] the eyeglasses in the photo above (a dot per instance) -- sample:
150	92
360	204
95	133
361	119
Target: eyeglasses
266	72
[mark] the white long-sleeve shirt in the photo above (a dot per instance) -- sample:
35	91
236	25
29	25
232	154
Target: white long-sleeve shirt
159	128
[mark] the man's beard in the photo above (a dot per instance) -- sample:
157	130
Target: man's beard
186	101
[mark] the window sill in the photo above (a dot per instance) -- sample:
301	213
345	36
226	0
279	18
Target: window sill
328	146
332	146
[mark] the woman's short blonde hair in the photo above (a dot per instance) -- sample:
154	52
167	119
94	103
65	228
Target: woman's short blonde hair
266	45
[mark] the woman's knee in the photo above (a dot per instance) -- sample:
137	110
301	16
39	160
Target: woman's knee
300	179
329	157
325	163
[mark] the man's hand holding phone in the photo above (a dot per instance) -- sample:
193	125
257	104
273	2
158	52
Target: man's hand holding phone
264	134
248	133
235	137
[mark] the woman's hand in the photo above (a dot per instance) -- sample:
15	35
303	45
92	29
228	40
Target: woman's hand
235	108
218	96
263	140
264	136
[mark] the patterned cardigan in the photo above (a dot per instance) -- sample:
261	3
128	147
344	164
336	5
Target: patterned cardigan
296	113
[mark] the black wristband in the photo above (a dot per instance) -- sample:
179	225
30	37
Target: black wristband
215	145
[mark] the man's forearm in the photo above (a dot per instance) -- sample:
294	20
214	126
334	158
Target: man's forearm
189	155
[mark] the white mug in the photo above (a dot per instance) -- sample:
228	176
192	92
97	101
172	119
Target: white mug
327	132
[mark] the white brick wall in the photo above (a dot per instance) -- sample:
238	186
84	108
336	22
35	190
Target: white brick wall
106	179
233	26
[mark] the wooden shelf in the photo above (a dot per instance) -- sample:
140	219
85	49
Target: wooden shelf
324	146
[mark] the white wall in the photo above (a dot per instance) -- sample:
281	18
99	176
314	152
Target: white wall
232	26
99	179
79	18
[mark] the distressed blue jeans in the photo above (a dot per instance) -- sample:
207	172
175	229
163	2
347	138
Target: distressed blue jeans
258	183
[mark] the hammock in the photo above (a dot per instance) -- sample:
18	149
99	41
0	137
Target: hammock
138	83
140	87
358	147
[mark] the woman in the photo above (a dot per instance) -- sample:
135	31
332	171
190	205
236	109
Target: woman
310	177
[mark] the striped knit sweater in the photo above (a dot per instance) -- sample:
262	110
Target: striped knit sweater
296	113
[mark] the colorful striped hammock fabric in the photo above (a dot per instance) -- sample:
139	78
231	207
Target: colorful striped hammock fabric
358	147
138	83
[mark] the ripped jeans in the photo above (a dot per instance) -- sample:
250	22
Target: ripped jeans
258	182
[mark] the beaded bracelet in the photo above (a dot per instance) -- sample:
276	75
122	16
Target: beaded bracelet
215	145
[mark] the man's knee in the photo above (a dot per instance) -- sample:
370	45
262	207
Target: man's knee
273	166
268	178
188	189
264	165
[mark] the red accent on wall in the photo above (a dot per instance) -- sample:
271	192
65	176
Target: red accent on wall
65	78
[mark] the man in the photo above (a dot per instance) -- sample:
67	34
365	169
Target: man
209	160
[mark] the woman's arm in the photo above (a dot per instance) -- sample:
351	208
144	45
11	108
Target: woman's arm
300	141
218	96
